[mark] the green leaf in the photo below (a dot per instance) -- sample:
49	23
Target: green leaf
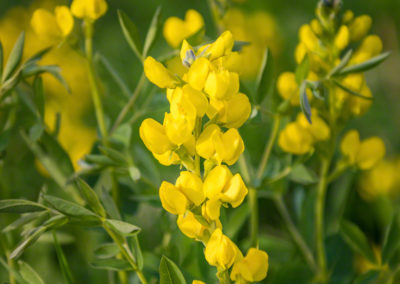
356	239
38	95
13	272
54	70
392	239
114	155
124	228
170	273
152	32
20	206
29	274
131	33
67	207
91	197
239	44
342	63
237	220
137	251
364	66
38	55
23	220
36	131
304	103
303	175
106	251
15	57
134	173
265	80
62	260
350	91
4	138
100	160
109	204
370	277
111	264
1	59
302	70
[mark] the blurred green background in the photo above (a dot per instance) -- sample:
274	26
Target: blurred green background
20	179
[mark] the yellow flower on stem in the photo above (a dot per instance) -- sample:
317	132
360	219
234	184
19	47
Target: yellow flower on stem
198	73
192	186
172	199
220	250
190	226
154	137
158	74
252	268
295	139
89	9
359	27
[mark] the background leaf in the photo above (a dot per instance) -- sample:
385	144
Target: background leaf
170	273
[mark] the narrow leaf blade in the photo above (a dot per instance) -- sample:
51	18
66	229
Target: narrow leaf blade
131	33
152	32
15	57
265	77
170	272
366	65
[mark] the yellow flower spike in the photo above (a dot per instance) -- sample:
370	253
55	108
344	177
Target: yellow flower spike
222	46
308	37
371	151
220	250
288	88
44	24
192	186
178	128
358	106
168	158
197	99
233	146
235	191
211	209
318	128
172	200
198	73
158	74
89	9
295	139
64	19
342	37
252	268
190	226
176	30
205	146
215	182
154	137
350	145
360	27
222	85
371	46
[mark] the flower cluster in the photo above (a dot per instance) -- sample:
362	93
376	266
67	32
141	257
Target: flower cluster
208	88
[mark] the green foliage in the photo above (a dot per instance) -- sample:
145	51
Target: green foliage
170	273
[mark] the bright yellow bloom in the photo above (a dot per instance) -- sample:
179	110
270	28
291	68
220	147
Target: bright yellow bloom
295	139
168	158
198	282
222	46
172	199
198	73
288	88
360	27
196	98
52	27
316	27
89	9
158	74
178	128
190	226
308	38
191	185
371	46
220	250
235	191
365	154
64	19
222	85
176	30
318	129
211	209
342	37
154	137
358	106
252	268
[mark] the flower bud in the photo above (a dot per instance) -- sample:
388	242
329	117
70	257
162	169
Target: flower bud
187	54
350	145
190	226
295	139
220	250
172	200
288	88
205	145
198	282
88	9
192	186
371	151
252	268
235	191
44	24
348	16
222	46
158	74
153	136
342	37
360	27
358	106
198	73
300	52
64	19
216	181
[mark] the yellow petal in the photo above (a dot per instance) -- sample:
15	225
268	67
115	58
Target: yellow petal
198	73
90	9
288	88
235	191
44	24
158	74
233	146
172	200
350	145
178	128
360	27
372	150
190	226
295	139
192	186
153	136
220	250
216	181
342	37
64	19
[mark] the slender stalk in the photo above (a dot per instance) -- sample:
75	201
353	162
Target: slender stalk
130	103
223	277
294	233
253	202
319	217
92	80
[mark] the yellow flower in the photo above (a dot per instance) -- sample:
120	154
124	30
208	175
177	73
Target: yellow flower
172	199
222	85
153	136
308	38
89	9
288	88
168	158
190	226
364	154
196	98
176	30
198	73
354	82
158	74
191	185
178	128
300	52
252	268
211	209
316	27
359	106
371	46
342	37
318	129
222	46
235	191
52	27
360	27
295	139
220	250
198	282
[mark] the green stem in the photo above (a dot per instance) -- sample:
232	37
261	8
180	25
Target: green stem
223	277
130	103
253	202
92	80
319	217
294	233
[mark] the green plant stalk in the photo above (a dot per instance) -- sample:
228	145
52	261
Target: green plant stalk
92	79
294	233
126	253
253	202
130	103
10	262
65	269
319	217
223	277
